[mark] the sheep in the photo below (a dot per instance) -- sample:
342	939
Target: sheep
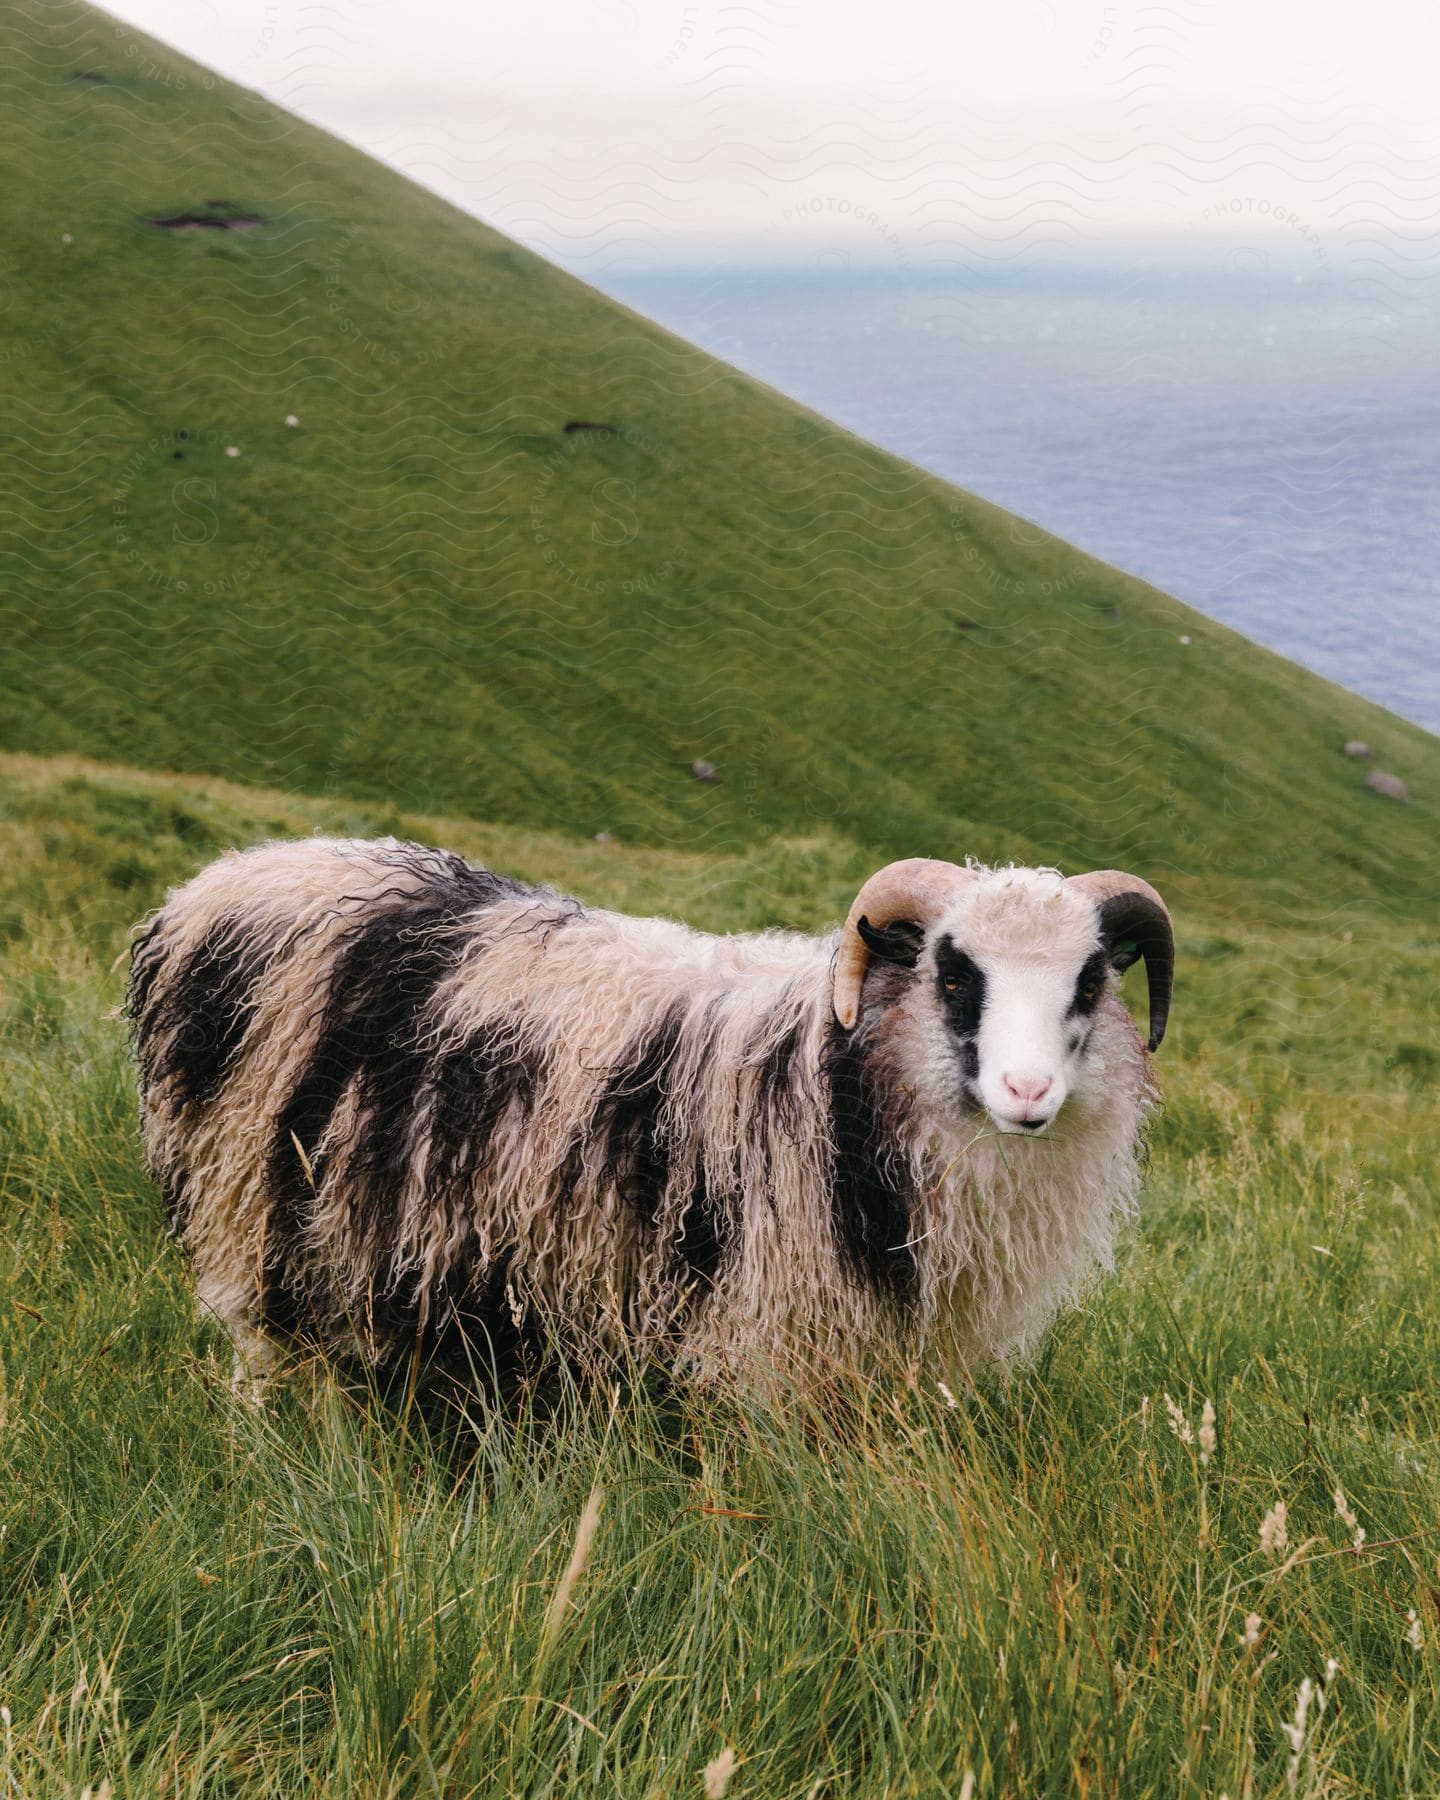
400	1106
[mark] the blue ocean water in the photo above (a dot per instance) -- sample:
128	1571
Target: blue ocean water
1261	442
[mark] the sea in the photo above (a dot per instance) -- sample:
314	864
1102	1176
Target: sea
1260	440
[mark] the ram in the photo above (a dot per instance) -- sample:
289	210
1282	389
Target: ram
398	1104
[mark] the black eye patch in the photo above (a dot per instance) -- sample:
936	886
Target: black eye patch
1089	986
962	988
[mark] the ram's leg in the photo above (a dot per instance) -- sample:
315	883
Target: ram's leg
257	1358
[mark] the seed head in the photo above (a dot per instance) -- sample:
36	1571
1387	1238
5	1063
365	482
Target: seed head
1179	1424
1296	1732
1274	1533
1348	1519
560	1600
718	1773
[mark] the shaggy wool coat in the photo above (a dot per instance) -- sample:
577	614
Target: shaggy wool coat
394	1101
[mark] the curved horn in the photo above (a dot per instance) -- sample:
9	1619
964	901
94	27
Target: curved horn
1134	921
916	889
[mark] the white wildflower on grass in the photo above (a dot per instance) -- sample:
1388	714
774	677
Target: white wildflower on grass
1274	1533
1207	1431
947	1396
1250	1636
232	449
292	420
718	1773
1348	1519
1414	1637
1179	1424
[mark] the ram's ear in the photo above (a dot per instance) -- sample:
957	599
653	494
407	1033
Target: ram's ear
1123	954
899	942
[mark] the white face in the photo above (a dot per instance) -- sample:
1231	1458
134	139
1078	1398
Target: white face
1006	997
1035	1022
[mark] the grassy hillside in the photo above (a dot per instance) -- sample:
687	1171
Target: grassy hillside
1040	1584
428	593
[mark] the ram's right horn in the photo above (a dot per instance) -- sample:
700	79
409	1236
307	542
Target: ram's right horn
919	888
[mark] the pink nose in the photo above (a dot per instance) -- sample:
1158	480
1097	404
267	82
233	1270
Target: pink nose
1027	1090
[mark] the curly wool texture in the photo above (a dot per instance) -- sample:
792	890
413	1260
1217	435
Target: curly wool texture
395	1100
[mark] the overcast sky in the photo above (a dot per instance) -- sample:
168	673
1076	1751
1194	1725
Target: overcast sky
626	133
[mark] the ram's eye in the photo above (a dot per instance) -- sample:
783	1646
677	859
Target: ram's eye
1089	991
951	983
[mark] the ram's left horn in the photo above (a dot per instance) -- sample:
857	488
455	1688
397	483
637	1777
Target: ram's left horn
1135	921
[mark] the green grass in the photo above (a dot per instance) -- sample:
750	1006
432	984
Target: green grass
428	595
1041	1585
